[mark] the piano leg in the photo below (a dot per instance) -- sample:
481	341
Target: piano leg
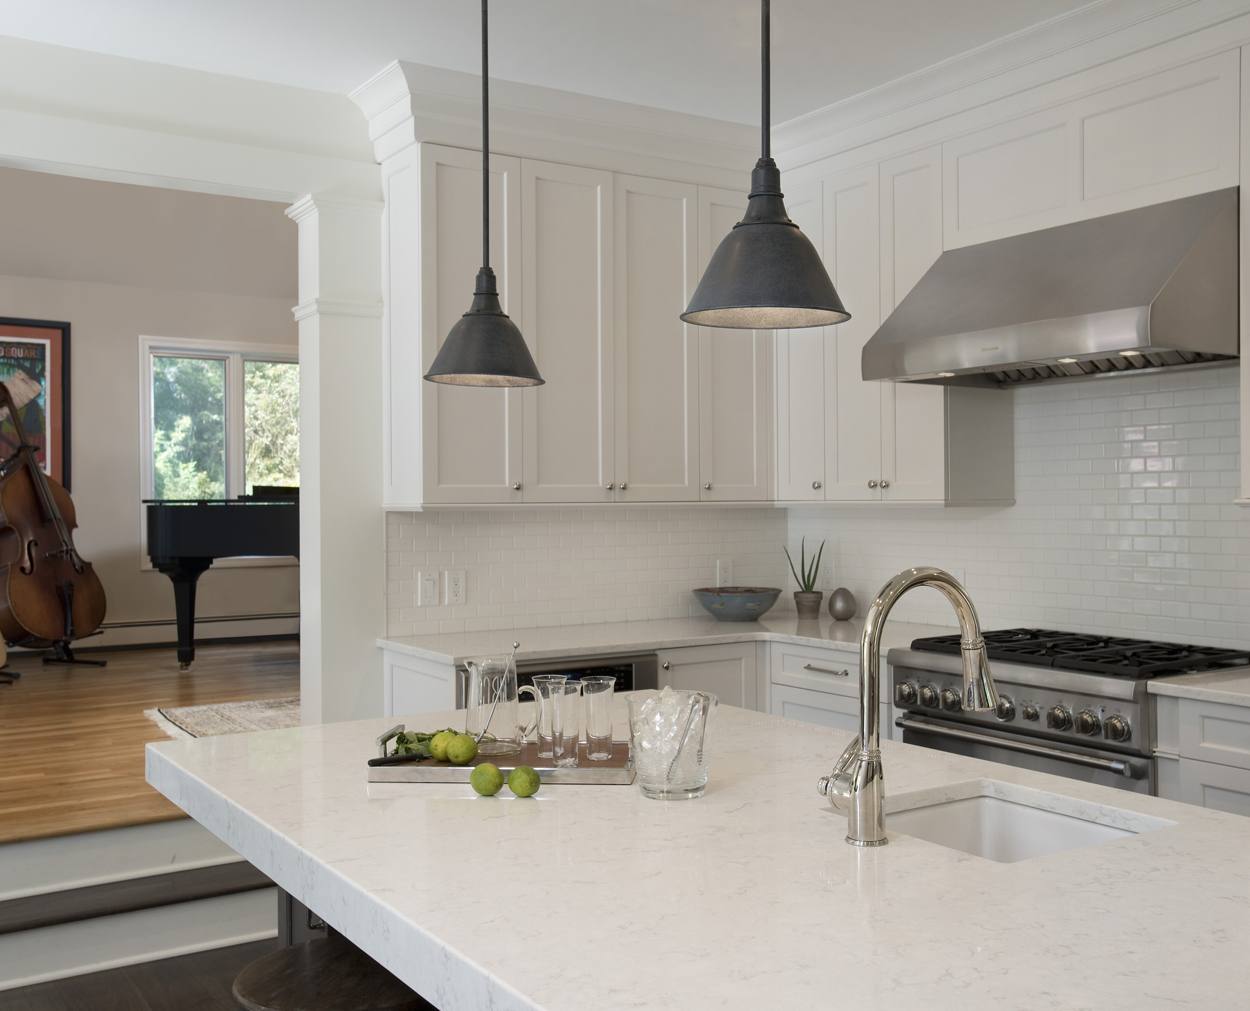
184	574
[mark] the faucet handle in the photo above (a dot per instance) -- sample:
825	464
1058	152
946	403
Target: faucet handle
837	785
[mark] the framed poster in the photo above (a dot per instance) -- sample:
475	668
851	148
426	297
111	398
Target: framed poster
34	364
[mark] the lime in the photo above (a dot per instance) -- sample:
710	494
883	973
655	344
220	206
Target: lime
486	779
461	749
523	781
439	742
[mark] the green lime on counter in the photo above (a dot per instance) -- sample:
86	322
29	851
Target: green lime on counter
461	749
523	781
486	779
439	742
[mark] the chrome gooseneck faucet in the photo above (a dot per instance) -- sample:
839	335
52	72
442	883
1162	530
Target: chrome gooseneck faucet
857	778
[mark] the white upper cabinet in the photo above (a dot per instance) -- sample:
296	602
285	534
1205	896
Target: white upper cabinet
735	383
470	439
913	447
656	378
800	374
566	229
1168	135
853	410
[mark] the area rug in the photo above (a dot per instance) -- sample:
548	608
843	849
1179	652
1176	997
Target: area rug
226	717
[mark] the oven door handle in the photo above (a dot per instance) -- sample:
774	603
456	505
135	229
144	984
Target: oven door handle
1116	765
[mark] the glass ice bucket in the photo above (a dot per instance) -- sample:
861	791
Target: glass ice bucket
667	732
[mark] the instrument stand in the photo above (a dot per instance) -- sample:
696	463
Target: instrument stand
61	652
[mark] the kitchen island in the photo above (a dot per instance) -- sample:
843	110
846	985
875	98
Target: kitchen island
598	898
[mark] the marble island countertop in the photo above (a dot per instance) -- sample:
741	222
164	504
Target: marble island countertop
620	637
596	897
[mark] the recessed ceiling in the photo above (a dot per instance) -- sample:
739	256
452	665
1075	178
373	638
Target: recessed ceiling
695	56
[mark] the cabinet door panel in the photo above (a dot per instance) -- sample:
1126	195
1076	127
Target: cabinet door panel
566	227
735	382
913	415
836	711
472	437
657	357
800	369
1215	786
728	671
852	406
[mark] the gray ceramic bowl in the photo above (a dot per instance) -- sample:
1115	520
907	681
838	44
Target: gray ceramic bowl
737	603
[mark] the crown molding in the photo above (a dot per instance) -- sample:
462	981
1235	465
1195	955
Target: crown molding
409	103
1096	34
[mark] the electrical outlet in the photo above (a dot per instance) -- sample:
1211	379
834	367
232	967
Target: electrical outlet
427	589
454	590
724	572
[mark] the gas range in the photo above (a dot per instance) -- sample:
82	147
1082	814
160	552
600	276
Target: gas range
1070	703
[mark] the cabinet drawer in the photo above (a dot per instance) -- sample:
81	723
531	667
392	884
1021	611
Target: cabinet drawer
821	708
822	670
1211	732
1215	786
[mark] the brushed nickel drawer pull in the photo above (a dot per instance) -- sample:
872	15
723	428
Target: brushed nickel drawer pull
843	673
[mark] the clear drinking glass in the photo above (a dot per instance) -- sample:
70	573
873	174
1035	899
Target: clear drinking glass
667	731
567	722
543	689
597	693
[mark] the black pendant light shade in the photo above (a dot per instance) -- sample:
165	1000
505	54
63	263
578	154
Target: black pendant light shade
765	274
485	348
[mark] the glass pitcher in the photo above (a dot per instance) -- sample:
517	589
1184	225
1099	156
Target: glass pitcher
490	703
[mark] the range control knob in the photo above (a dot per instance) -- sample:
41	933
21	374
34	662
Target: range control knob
1030	712
1088	723
1059	718
950	699
905	693
1117	728
928	696
1006	709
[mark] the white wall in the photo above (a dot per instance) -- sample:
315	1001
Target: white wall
533	567
1123	521
118	261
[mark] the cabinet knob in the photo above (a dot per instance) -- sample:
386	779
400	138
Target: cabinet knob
666	665
816	486
707	486
609	486
516	486
623	486
872	484
884	484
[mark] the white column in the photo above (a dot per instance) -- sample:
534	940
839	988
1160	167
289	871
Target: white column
342	525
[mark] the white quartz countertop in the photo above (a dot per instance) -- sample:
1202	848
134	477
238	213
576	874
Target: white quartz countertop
1232	687
633	636
598	898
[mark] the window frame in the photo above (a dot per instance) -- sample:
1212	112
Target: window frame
234	354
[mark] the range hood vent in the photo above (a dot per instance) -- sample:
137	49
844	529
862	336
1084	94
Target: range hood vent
1151	288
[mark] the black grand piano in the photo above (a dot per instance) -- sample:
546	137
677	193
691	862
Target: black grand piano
186	536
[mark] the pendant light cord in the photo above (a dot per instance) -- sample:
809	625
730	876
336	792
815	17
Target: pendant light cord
766	83
486	148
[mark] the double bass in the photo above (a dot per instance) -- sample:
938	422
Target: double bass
49	595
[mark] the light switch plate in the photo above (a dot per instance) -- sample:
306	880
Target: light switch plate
724	572
427	589
454	591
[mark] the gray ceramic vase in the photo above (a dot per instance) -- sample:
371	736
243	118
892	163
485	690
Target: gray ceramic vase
807	604
842	606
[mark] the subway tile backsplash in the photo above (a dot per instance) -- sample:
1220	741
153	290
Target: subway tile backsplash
1124	519
1124	523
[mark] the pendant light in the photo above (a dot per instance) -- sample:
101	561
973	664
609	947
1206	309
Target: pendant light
765	274
485	348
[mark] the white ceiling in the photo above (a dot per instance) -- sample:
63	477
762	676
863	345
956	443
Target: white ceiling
695	56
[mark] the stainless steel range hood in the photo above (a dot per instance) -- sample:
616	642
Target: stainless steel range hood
1144	289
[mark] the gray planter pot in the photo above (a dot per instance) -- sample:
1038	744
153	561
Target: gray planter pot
808	604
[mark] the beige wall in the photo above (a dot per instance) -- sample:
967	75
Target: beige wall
118	262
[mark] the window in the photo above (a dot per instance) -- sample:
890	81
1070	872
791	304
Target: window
219	419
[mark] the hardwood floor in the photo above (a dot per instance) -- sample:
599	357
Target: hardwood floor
199	982
71	738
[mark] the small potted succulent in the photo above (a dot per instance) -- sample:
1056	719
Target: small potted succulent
807	598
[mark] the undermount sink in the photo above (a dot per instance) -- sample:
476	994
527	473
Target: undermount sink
1006	823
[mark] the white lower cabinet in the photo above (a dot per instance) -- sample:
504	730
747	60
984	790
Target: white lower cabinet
819	686
412	685
1220	787
823	708
1202	753
727	671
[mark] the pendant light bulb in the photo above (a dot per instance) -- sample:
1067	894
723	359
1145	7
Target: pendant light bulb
485	348
765	274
